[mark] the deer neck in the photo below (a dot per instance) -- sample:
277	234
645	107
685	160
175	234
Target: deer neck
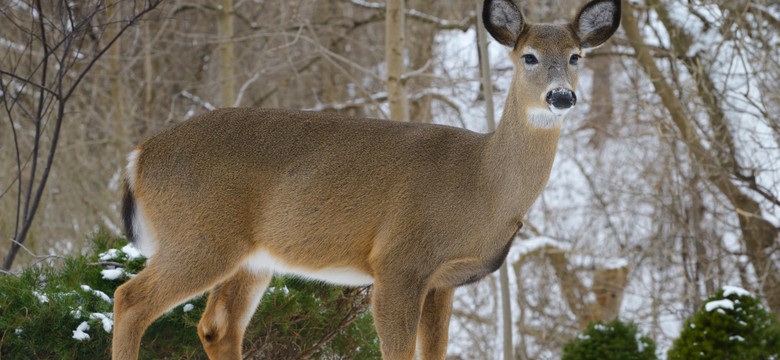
519	155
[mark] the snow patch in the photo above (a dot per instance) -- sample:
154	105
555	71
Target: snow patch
97	293
640	345
106	318
534	244
112	274
719	304
80	334
131	252
109	255
614	264
734	290
42	298
76	314
736	338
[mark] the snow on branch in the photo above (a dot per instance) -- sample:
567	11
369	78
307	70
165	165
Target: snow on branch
536	244
12	45
440	23
378	97
382	97
735	290
719	304
197	100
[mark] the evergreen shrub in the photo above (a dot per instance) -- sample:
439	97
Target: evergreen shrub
732	324
64	310
615	340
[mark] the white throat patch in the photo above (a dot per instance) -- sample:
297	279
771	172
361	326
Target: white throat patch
544	119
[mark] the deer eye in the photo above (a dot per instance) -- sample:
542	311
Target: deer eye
530	59
575	59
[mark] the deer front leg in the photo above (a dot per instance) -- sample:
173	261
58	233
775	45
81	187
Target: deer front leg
434	324
229	309
396	310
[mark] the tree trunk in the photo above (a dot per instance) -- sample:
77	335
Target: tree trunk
394	50
503	274
226	58
599	117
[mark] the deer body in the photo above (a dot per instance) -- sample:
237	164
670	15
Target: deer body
379	179
223	201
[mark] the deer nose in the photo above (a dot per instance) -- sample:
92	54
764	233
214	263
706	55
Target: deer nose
561	98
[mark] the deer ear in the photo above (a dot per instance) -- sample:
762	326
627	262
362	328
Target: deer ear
503	20
597	21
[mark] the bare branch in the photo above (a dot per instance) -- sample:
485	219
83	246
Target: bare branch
441	24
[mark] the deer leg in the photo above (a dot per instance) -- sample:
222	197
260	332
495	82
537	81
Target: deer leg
228	311
396	310
434	324
166	282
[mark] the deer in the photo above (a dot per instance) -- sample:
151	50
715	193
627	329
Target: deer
221	202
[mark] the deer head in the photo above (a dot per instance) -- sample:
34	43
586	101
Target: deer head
547	57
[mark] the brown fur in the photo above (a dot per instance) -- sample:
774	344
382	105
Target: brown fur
420	208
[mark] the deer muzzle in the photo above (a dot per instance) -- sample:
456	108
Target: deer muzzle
561	100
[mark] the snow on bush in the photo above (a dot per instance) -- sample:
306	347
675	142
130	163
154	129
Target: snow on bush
732	324
615	340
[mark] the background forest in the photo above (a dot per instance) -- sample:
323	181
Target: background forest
666	185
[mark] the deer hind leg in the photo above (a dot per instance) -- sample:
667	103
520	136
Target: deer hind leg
228	311
434	324
396	310
164	284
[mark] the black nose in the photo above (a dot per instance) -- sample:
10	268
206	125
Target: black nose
561	98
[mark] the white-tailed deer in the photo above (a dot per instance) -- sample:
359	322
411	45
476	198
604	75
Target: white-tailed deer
226	199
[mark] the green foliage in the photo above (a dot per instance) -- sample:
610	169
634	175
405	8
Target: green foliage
615	340
736	327
41	309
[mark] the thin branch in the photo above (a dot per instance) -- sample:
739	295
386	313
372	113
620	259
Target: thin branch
41	87
752	184
441	24
196	99
353	313
74	36
108	263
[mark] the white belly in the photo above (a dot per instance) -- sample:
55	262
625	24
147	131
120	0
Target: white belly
262	260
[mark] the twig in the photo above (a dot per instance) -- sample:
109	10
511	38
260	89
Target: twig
108	263
443	24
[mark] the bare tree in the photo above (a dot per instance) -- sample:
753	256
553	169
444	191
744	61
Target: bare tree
64	40
712	149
